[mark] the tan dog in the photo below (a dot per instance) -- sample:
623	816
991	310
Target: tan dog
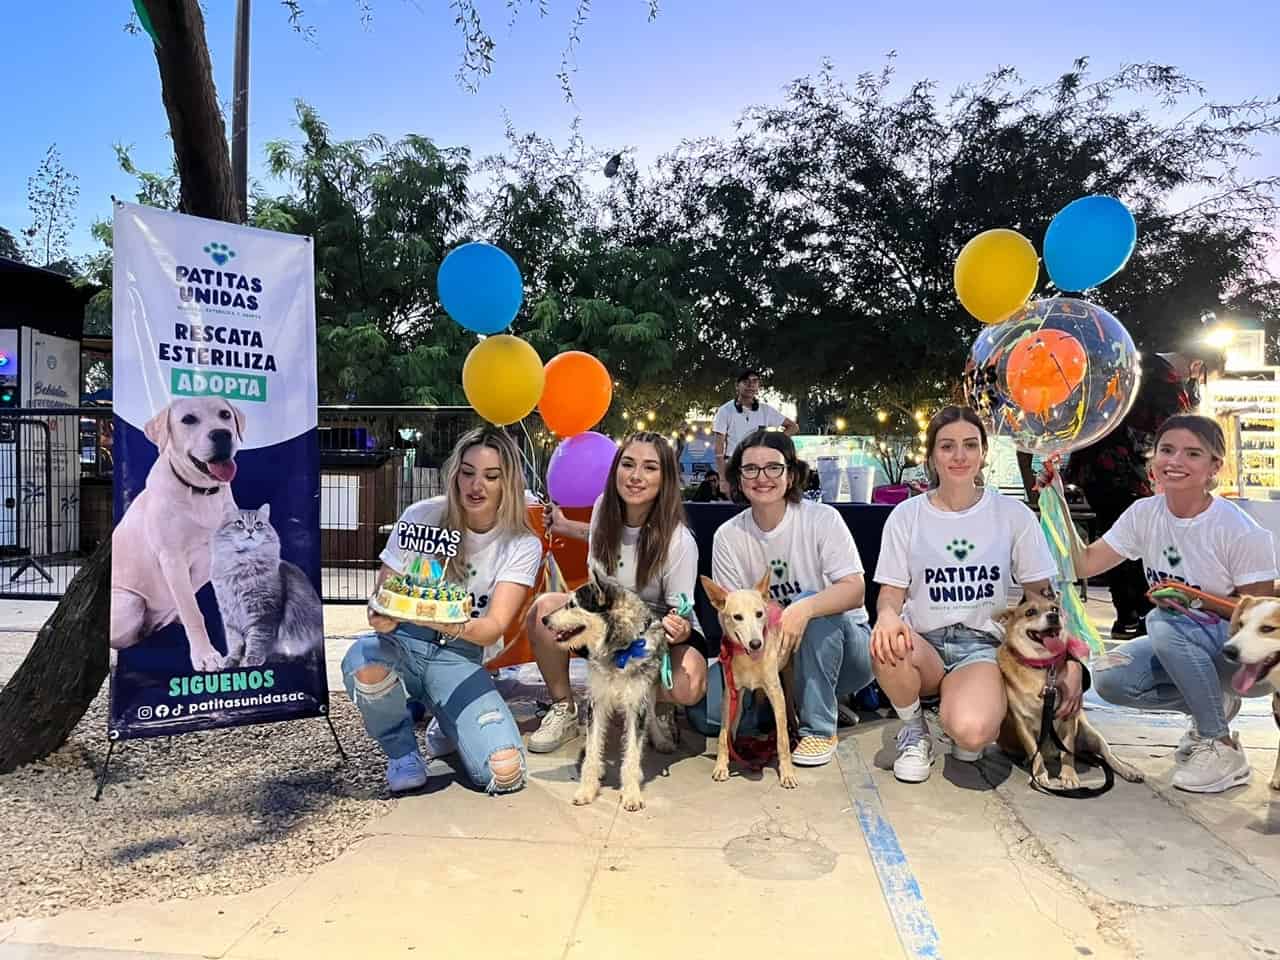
1255	645
160	549
744	623
1033	640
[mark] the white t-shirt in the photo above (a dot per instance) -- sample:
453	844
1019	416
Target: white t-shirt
735	426
956	566
1215	551
492	558
807	552
678	573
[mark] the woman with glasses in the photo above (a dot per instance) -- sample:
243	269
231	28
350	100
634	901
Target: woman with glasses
815	574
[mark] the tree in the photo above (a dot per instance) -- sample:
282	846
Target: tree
52	192
383	216
9	246
826	231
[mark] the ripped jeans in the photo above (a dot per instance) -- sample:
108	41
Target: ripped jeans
1177	666
452	681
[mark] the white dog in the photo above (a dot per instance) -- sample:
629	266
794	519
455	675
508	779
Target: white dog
160	548
1255	646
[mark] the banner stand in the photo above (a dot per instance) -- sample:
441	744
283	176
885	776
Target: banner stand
111	747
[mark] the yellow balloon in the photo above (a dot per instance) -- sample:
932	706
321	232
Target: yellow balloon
503	378
996	274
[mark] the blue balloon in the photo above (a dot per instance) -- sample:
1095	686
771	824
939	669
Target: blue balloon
480	287
1089	242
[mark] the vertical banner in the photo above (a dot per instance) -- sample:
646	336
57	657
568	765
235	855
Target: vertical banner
216	617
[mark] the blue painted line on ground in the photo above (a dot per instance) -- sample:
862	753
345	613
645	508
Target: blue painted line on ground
901	890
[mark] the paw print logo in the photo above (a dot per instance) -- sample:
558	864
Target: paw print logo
471	570
1173	556
960	548
219	253
779	569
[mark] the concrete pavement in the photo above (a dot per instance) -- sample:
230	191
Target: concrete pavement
971	864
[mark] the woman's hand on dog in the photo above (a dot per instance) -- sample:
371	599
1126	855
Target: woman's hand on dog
891	639
795	618
677	627
1070	690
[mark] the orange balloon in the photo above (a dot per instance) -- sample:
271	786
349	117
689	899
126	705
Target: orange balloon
577	393
1044	369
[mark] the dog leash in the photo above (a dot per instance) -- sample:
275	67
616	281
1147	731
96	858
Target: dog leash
768	746
1047	733
684	609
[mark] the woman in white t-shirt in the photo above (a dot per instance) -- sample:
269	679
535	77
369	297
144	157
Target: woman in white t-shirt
442	665
1186	534
815	574
945	560
637	535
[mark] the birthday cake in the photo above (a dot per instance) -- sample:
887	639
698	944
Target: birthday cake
418	598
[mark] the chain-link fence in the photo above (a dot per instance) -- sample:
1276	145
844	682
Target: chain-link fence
56	488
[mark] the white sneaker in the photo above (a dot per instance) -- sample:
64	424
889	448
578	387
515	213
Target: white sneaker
915	752
406	773
438	742
1231	701
558	727
1213	767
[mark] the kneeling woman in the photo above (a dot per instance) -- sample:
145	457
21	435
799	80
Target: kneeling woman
1186	534
815	573
637	535
945	560
442	664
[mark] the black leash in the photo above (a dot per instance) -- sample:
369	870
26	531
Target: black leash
1047	732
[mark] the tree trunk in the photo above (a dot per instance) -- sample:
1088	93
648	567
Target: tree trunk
65	668
195	119
45	699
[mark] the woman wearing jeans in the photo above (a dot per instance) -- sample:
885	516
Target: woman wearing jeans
815	573
1185	533
442	664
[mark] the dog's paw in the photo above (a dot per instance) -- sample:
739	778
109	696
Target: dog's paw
788	779
255	659
663	744
1131	773
1275	782
1070	780
206	660
584	795
632	801
720	773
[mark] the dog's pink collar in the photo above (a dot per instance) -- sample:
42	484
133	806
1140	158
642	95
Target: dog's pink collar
1075	649
203	491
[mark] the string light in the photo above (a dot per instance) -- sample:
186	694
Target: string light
882	416
841	423
651	416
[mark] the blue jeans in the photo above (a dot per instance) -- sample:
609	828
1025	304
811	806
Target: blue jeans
1178	666
833	660
451	680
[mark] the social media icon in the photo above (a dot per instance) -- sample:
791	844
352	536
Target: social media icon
162	711
144	713
177	709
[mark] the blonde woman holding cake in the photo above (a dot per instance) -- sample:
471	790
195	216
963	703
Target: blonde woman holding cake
479	533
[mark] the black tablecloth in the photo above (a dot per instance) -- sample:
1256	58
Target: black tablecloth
865	522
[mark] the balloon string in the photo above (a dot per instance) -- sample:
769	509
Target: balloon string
536	477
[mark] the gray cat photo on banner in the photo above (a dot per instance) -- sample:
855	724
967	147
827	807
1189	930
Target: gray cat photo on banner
216	618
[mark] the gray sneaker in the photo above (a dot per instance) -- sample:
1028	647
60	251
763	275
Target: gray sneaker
406	773
1213	767
559	726
1230	701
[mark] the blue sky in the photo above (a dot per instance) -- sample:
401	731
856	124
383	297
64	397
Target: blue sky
74	77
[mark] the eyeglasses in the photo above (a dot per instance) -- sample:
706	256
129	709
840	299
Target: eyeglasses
771	470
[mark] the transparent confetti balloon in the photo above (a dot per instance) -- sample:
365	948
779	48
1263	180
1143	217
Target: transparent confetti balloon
1058	375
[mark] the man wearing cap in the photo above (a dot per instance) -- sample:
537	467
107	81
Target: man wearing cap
739	417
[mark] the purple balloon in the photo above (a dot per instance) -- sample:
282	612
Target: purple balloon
579	469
